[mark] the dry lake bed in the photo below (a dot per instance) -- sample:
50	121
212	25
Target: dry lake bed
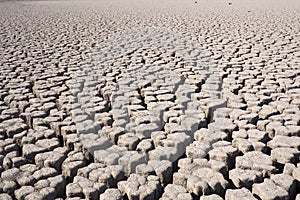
150	99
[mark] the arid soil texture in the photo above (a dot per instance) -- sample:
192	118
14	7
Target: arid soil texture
150	100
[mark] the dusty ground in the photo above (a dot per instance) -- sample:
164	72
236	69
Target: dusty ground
150	99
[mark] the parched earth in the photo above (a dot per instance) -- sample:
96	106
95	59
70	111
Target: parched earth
149	100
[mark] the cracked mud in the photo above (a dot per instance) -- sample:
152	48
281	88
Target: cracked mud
149	100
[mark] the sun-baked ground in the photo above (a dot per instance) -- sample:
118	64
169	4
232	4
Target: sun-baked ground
150	99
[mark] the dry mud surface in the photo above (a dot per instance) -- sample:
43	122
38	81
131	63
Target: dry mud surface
149	100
